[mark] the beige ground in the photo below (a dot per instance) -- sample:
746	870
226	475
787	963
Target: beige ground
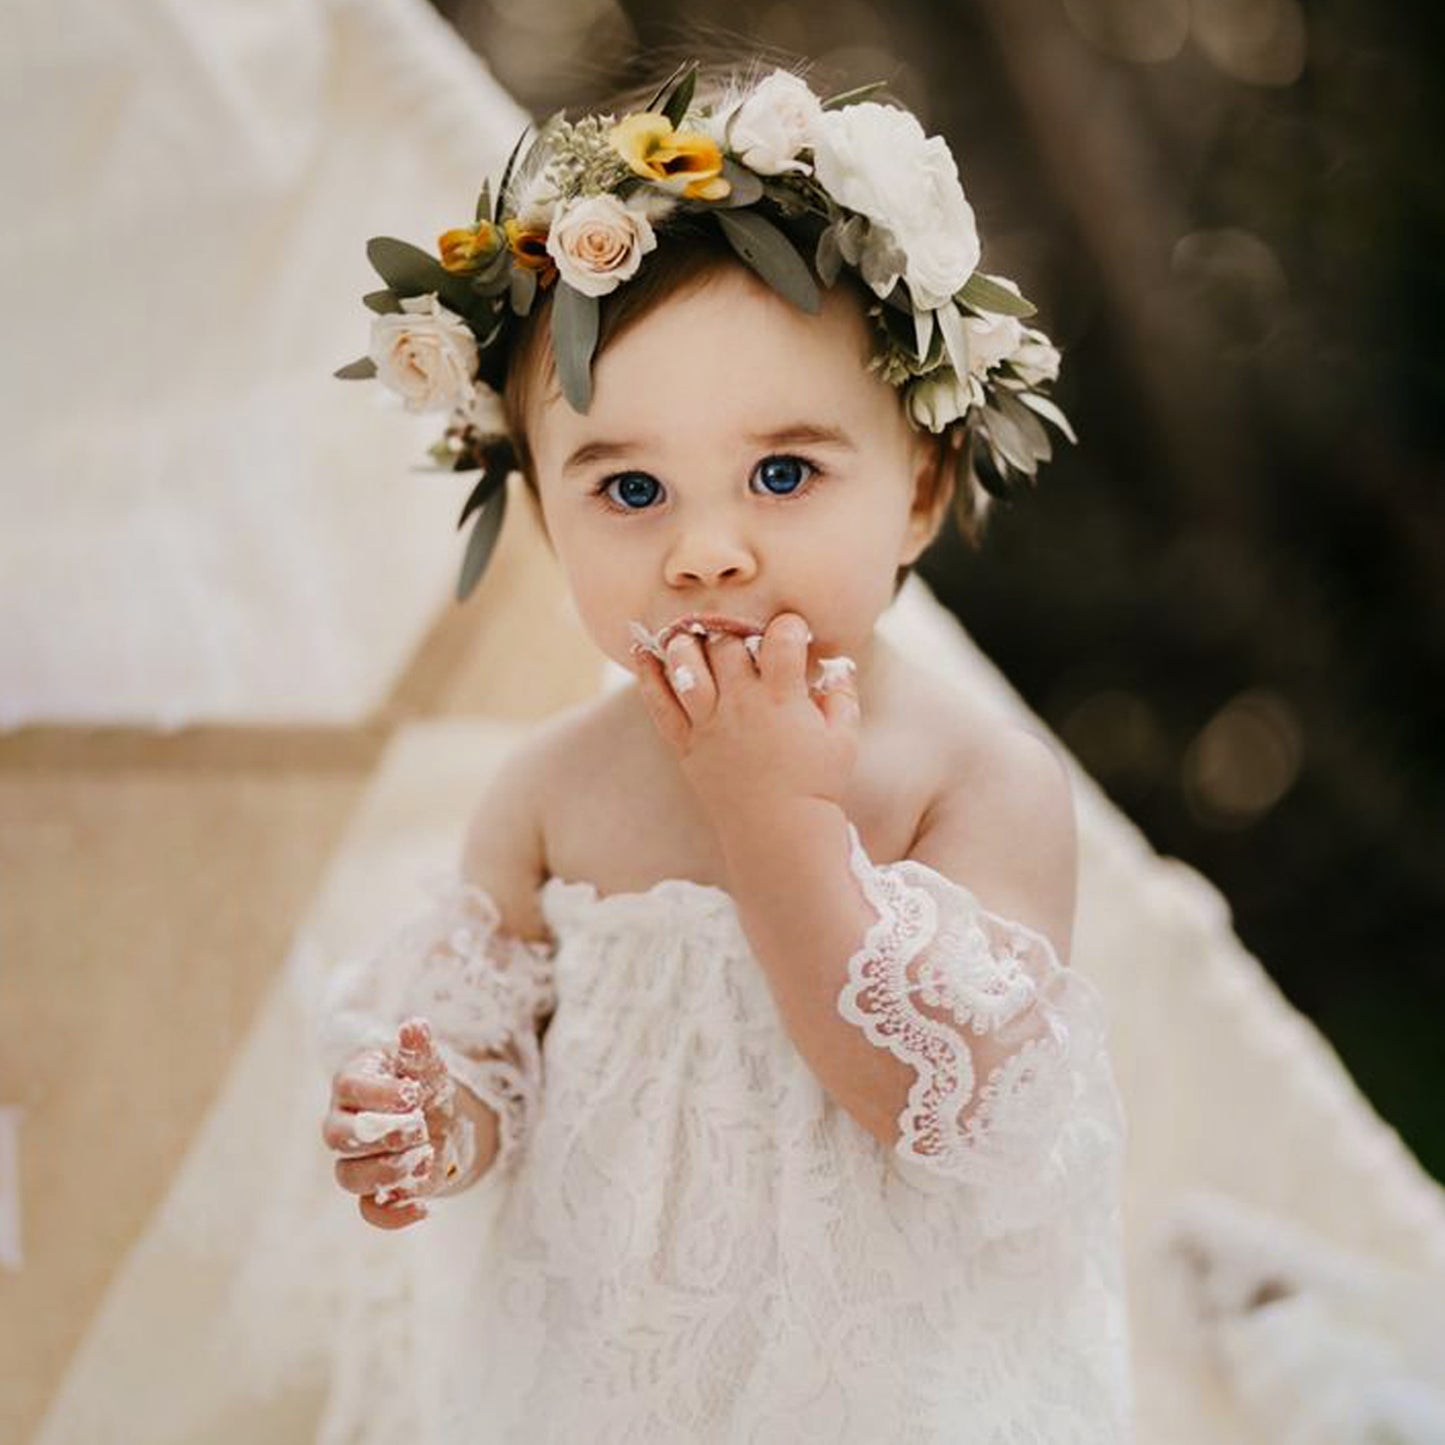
149	887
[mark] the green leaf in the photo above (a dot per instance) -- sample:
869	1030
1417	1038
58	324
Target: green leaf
575	321
481	543
356	370
410	271
1046	408
772	255
507	173
1006	438
493	279
829	259
681	98
667	85
494	475
984	294
1030	427
484	202
747	187
385	303
851	97
523	289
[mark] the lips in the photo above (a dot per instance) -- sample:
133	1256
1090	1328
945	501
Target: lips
703	622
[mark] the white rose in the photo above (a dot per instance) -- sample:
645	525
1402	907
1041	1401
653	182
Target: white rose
1036	359
876	160
773	124
598	243
991	340
425	353
940	398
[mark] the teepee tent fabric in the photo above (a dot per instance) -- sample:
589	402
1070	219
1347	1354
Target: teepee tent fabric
198	523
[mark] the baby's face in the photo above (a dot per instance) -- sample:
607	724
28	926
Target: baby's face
738	459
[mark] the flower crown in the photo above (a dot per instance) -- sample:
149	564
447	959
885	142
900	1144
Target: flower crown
844	181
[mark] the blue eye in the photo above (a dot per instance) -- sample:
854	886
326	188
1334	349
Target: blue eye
782	476
636	489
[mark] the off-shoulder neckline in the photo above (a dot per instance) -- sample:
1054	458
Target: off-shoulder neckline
590	893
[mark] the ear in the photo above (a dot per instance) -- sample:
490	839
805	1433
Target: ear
933	475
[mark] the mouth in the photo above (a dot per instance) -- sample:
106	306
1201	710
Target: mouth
699	623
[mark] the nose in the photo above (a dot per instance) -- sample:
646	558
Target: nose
707	556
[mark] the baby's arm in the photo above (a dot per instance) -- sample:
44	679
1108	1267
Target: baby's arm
468	969
928	994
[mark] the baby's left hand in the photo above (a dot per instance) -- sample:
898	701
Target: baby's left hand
751	737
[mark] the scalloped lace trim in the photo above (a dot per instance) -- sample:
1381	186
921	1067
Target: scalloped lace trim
483	991
961	993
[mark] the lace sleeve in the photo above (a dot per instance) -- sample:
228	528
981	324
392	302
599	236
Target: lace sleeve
1013	1089
484	992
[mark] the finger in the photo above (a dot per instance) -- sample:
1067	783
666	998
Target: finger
393	1216
836	692
783	658
358	1134
417	1058
731	665
668	715
369	1081
409	1168
689	675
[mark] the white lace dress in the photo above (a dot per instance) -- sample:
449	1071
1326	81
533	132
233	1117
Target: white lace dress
692	1242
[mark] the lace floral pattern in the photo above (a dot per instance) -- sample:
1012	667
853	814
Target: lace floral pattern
1001	1036
699	1244
484	992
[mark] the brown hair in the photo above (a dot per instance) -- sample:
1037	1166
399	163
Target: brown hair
690	249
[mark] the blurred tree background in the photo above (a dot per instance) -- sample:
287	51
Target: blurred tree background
1229	599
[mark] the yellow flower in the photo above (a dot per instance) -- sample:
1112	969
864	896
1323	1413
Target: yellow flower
529	247
685	162
469	248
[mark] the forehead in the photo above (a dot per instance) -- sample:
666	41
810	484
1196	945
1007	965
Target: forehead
722	359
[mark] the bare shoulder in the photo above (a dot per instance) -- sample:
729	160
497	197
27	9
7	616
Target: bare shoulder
1002	820
504	852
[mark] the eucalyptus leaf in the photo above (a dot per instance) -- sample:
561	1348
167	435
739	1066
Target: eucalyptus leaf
410	271
523	289
1046	408
384	303
1030	427
1007	439
493	278
359	370
955	337
481	544
575	321
747	187
484	202
984	294
494	475
829	258
852	97
991	472
773	256
899	299
681	98
923	333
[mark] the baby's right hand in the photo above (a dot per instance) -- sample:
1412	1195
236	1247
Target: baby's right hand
392	1117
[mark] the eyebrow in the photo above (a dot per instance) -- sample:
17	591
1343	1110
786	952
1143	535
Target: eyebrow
795	434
